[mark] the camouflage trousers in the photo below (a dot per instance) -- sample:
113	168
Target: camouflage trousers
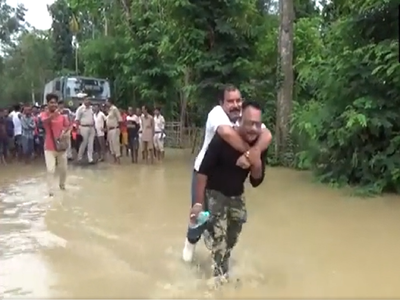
225	225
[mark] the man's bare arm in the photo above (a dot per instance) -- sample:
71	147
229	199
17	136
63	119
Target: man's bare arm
230	135
264	140
257	170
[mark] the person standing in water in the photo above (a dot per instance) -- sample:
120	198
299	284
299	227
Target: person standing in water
159	134
139	113
124	133
68	114
220	181
147	135
221	119
56	127
85	122
99	122
133	125
15	115
28	134
3	137
113	121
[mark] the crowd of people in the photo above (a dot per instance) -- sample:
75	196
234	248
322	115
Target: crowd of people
95	131
234	149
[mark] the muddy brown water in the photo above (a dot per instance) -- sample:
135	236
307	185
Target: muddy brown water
118	232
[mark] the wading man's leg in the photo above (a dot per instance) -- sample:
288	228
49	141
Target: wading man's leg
135	149
218	223
193	235
115	145
236	217
85	132
90	145
62	166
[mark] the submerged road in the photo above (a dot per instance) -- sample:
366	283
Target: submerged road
118	232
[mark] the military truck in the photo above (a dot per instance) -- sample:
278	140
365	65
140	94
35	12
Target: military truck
71	88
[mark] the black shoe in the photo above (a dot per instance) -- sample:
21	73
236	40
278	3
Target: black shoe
62	187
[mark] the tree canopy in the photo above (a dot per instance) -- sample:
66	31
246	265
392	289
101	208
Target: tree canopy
343	113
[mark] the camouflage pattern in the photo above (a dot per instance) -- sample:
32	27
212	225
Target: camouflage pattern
225	225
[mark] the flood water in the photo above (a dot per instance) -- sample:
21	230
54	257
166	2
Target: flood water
118	231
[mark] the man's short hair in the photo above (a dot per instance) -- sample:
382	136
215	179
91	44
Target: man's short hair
61	102
51	96
226	88
253	104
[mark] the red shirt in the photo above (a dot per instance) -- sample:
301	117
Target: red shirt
57	125
123	126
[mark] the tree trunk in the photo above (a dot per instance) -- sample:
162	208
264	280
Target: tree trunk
184	95
285	69
33	94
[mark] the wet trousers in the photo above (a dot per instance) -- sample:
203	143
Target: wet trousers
88	134
225	226
113	142
55	160
193	235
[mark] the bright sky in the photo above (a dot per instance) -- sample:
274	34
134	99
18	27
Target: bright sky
36	14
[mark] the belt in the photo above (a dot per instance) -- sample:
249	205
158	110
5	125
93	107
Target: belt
86	125
158	132
111	128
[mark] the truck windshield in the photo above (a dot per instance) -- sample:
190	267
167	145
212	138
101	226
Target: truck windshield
96	88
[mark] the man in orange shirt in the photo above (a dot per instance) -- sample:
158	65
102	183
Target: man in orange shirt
57	131
124	133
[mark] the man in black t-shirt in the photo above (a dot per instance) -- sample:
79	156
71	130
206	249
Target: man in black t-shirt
220	181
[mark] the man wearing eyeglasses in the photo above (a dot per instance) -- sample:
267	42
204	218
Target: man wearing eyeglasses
221	120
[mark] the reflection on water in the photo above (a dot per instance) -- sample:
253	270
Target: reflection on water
118	231
23	234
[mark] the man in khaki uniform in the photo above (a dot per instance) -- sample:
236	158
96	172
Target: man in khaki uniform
85	122
113	122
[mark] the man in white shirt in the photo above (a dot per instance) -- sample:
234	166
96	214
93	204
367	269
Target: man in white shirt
221	119
159	134
140	115
15	115
85	121
99	123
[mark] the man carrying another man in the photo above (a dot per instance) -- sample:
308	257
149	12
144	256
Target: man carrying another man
221	120
220	187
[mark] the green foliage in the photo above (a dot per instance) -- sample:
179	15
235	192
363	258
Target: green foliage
11	21
351	125
25	68
61	33
175	54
